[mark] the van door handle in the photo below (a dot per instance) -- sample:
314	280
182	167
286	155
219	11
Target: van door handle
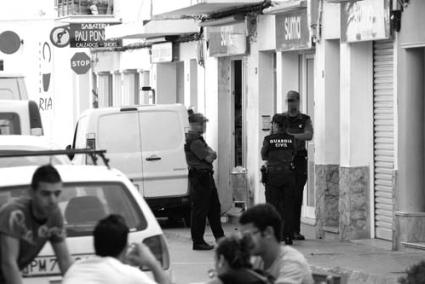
153	158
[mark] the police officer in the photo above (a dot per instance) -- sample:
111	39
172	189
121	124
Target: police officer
300	126
279	150
203	192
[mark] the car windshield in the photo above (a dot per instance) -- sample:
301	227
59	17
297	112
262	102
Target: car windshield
29	161
83	204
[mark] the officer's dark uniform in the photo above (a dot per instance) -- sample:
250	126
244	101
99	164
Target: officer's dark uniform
278	150
203	192
297	124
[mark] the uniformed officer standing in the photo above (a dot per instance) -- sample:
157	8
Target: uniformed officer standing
203	192
279	150
300	126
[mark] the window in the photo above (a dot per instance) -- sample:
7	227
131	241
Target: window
84	7
160	130
84	204
9	89
10	124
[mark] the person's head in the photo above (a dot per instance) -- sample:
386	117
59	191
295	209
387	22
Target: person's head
278	123
293	100
198	122
263	223
233	252
111	236
46	187
415	274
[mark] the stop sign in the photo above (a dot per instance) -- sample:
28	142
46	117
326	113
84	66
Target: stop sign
80	63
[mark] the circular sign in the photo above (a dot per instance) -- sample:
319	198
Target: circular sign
9	42
80	63
60	36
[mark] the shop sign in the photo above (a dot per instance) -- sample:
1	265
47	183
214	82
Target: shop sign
365	20
91	35
227	40
162	52
292	31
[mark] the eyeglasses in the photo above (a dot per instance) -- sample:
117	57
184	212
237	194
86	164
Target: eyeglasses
291	100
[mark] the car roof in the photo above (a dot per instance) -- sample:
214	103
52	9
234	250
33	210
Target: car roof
11	75
24	142
134	107
69	174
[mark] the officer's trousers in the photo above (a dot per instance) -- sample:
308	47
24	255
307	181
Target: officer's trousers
205	204
280	192
300	163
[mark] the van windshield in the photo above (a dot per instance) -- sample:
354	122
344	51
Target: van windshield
10	124
84	204
9	89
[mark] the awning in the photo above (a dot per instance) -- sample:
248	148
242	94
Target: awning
153	29
205	7
285	7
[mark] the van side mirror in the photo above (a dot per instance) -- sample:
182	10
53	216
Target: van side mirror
70	155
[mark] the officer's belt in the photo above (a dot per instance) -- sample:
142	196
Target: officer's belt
279	168
201	170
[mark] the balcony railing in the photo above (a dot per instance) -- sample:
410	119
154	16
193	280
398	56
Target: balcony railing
84	7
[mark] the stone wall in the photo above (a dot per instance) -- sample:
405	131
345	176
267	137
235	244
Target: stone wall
354	204
327	196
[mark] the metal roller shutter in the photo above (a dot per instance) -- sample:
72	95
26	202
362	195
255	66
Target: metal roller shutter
383	112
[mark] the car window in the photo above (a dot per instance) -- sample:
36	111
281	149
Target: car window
119	133
84	204
10	124
160	130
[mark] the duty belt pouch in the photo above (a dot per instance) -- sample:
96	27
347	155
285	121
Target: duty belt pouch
263	170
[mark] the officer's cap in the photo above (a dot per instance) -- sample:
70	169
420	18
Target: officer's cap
197	118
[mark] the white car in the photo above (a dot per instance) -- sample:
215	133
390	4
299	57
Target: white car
90	193
12	144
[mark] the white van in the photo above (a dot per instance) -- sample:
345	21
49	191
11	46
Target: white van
20	118
147	144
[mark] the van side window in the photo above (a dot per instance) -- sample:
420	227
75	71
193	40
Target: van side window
119	132
160	130
10	124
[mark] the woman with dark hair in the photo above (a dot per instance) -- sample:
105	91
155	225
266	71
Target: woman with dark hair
233	262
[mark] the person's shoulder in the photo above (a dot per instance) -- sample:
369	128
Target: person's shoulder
290	253
304	116
21	203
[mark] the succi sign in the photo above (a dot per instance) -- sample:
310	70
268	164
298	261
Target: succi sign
292	31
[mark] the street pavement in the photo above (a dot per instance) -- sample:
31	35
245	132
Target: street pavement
365	261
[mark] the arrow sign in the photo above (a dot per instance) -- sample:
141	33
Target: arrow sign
80	63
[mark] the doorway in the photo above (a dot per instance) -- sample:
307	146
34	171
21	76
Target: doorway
307	91
237	113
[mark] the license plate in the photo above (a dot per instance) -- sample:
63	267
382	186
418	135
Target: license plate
46	266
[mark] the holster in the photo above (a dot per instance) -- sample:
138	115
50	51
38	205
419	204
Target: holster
263	170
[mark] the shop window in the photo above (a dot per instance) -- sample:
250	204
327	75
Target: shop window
84	7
